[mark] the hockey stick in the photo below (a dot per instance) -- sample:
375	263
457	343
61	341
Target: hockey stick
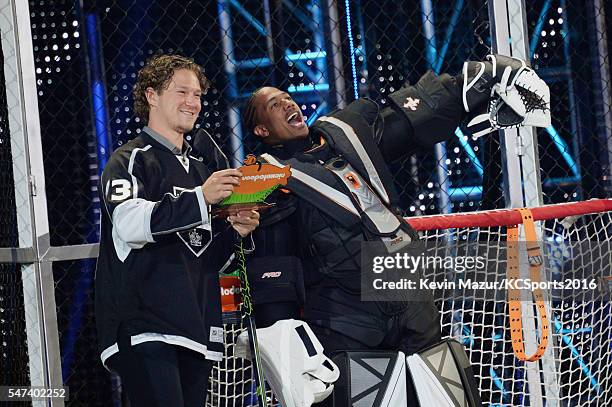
247	310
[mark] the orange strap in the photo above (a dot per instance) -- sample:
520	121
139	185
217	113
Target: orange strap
534	255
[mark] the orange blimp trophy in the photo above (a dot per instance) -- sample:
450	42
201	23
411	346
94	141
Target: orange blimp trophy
258	181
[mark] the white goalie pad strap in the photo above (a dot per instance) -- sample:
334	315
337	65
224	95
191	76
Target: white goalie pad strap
293	362
319	389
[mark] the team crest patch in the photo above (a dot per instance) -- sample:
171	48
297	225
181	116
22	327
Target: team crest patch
196	239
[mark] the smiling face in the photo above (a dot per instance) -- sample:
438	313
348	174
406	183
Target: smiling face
176	108
278	117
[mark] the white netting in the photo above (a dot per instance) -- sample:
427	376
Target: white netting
231	382
573	372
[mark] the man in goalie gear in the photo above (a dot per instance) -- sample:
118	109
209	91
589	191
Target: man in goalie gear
341	192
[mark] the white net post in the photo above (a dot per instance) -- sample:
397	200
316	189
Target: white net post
523	182
30	196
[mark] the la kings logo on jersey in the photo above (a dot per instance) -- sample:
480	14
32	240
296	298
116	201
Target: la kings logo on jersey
197	239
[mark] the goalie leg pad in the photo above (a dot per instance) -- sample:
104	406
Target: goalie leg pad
443	376
371	378
293	362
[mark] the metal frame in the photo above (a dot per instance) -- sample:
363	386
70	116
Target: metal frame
31	201
604	91
521	161
336	53
523	186
319	79
527	150
498	15
18	255
229	66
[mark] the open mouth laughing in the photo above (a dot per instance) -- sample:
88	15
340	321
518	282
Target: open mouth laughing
295	119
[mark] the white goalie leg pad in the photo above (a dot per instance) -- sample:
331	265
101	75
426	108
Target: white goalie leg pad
428	387
443	376
395	393
371	379
293	362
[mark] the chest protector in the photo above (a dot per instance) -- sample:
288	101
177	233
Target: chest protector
354	186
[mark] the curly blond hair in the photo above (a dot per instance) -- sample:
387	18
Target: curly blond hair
156	74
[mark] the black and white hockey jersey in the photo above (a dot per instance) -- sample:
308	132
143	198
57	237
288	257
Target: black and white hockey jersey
160	254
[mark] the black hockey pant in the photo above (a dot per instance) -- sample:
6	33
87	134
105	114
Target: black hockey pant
156	374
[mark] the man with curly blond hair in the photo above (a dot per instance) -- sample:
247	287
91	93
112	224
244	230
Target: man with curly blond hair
158	310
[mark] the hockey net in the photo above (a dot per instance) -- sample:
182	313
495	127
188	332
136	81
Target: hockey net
574	370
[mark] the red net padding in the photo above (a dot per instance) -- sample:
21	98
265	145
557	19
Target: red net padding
506	217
